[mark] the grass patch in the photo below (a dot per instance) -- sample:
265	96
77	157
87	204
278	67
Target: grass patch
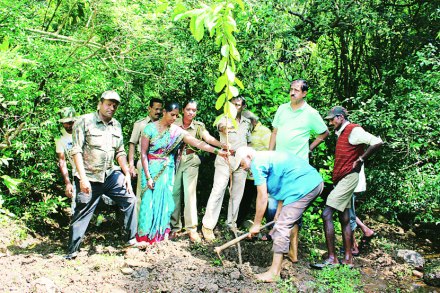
339	279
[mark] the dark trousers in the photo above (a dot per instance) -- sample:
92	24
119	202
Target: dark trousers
114	188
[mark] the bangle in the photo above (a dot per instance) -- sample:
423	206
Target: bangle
360	159
215	151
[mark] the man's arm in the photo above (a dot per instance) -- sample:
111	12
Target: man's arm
131	150
206	136
78	139
122	161
273	139
260	209
84	183
65	173
318	140
359	136
368	153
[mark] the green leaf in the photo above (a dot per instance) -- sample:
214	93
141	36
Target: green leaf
234	52
222	64
233	90
240	3
220	84
225	50
220	101
218	8
239	83
5	45
186	14
199	27
161	8
230	74
11	183
192	25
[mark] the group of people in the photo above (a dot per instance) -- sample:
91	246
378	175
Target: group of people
267	167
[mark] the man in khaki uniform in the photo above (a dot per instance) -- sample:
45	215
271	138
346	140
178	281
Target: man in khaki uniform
154	112
237	138
63	147
97	142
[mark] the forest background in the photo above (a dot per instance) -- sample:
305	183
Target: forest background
379	59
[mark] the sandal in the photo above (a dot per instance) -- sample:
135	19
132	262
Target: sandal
324	264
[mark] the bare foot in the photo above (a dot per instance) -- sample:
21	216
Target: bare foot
267	277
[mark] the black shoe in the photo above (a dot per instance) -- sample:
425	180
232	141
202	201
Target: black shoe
71	256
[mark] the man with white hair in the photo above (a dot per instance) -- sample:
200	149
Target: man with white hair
290	180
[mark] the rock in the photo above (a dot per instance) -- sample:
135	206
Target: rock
45	285
411	257
235	275
417	274
432	273
127	271
212	288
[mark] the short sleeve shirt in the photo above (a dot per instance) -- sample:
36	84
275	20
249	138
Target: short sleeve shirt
288	177
99	143
294	128
63	145
138	128
196	129
239	137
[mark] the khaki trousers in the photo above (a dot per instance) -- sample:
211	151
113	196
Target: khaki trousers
139	186
186	181
221	179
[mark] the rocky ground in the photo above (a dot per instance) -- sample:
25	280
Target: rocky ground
34	263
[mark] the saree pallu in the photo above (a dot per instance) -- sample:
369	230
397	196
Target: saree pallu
157	204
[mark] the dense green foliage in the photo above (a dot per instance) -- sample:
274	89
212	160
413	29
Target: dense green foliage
377	58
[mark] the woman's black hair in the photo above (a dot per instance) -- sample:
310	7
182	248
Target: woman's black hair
190	101
170	106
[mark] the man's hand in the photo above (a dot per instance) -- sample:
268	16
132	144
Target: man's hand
127	183
69	190
133	171
357	165
85	186
254	230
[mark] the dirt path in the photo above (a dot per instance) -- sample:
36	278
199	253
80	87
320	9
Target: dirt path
35	264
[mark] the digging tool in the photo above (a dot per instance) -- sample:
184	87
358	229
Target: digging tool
219	249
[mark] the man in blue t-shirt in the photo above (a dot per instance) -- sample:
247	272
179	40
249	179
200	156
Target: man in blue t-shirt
287	178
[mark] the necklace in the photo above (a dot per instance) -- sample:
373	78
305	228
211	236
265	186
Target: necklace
161	128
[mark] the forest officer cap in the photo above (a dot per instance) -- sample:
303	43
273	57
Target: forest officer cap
111	95
67	114
336	111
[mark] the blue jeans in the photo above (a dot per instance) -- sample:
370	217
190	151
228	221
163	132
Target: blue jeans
352	213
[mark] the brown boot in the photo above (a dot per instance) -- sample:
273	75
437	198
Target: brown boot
293	249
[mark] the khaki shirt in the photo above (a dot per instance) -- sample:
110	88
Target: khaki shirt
196	129
99	144
138	129
237	137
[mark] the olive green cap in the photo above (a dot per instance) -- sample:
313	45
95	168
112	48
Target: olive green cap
67	114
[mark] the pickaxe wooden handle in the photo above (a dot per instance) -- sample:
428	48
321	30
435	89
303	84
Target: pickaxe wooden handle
219	249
